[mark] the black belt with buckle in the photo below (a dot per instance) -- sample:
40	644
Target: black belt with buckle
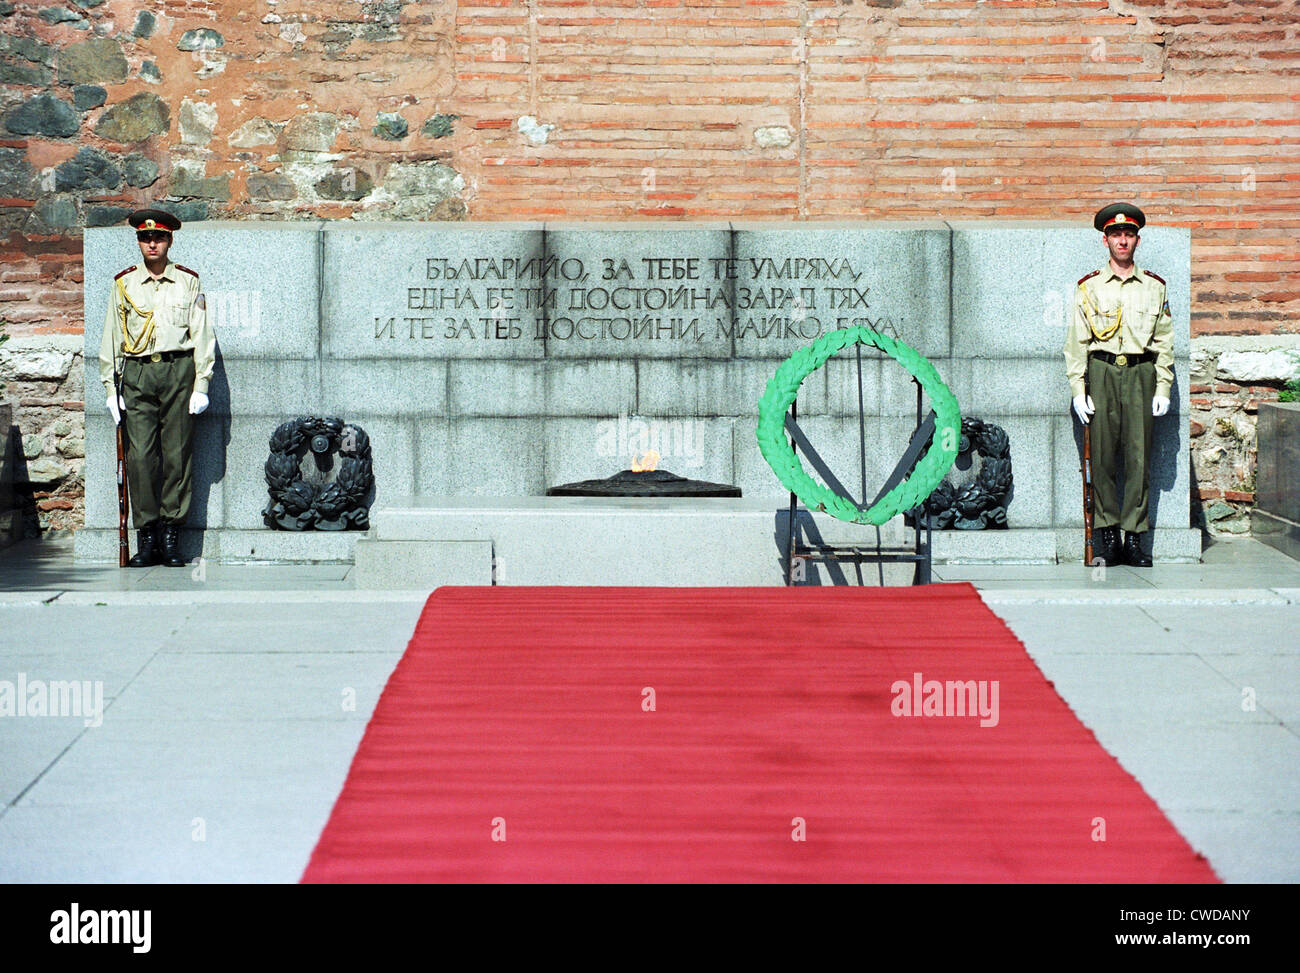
158	356
1123	360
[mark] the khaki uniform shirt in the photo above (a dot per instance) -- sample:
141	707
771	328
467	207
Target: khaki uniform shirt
180	321
1145	324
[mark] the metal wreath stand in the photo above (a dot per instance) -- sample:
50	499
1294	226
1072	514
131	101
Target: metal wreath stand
900	488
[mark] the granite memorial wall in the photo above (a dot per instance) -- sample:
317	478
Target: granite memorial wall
499	359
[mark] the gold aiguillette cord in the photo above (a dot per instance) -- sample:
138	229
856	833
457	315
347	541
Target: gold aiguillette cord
134	344
1094	312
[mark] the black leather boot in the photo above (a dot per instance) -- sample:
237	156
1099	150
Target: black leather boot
1105	546
146	553
1133	553
1114	547
171	543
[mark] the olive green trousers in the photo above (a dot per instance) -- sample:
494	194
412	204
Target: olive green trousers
159	436
1121	429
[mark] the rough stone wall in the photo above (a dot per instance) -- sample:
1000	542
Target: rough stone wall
690	109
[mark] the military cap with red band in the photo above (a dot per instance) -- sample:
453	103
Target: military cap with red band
1119	214
153	219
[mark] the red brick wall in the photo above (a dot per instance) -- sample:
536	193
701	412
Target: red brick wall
872	109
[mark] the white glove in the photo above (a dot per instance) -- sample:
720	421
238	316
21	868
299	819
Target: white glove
198	402
1159	406
115	407
1083	408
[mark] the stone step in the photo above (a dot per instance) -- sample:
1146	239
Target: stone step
609	541
636	541
224	545
421	565
643	541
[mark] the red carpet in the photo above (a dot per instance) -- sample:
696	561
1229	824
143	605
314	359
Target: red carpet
521	709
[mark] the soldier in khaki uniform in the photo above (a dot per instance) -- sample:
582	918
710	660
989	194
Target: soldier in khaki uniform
1119	362
160	349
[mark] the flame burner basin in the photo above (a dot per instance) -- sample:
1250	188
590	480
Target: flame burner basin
651	483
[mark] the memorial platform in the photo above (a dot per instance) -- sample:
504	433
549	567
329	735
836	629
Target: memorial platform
502	359
424	542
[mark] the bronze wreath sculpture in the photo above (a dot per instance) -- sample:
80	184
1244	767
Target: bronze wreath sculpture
981	504
337	505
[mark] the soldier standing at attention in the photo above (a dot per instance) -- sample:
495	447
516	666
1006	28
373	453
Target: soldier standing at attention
1119	362
159	346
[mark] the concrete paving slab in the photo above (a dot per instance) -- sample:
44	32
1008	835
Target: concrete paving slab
40	630
111	670
285	686
261	838
1245	551
1245	846
1081	581
1155	691
1267	629
207	596
1223	767
1221	575
30	745
1203	598
1271	680
210	764
61	579
1069	575
47	564
35	596
275	627
257	576
200	578
1077	630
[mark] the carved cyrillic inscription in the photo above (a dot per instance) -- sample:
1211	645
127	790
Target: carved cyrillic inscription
662	298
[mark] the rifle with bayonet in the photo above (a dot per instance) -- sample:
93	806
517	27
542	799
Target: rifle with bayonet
1085	462
1085	467
123	501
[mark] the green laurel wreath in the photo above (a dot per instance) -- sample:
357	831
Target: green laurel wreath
783	388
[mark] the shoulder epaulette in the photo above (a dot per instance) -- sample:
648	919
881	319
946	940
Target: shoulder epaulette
187	270
127	271
1156	276
1086	276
